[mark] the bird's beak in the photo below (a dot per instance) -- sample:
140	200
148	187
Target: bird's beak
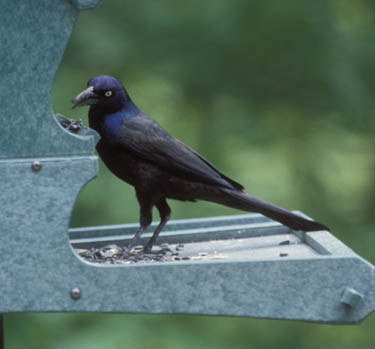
86	97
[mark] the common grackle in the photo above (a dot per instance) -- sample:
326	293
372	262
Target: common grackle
140	152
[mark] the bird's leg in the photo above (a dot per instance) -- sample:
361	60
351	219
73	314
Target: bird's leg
165	215
133	241
145	221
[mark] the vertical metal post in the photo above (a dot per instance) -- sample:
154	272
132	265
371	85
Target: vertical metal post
1	331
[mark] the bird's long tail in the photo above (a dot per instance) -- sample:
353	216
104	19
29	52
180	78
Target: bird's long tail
246	202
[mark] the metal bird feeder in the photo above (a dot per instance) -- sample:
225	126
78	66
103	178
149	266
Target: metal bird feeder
241	265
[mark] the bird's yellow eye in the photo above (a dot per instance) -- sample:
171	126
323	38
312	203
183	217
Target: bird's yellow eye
108	93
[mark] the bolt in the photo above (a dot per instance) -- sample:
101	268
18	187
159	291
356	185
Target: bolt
351	297
36	166
75	293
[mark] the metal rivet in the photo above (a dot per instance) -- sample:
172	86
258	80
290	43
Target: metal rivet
351	297
36	166
75	293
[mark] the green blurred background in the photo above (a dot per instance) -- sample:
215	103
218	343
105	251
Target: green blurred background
277	94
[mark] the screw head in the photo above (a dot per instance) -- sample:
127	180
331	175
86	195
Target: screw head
36	166
351	297
75	293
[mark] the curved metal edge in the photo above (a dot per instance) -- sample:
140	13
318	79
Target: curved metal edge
37	34
37	203
83	143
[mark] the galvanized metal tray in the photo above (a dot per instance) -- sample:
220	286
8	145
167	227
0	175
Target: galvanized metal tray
243	265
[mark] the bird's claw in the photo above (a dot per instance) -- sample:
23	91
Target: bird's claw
163	250
126	251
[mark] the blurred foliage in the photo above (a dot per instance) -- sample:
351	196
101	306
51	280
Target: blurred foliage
278	95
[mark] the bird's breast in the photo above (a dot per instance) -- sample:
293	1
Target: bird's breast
112	124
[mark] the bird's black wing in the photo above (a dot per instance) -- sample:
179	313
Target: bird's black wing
146	139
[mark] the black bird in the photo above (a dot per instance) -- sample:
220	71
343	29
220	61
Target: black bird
140	152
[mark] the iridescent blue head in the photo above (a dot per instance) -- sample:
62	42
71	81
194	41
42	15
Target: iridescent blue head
103	92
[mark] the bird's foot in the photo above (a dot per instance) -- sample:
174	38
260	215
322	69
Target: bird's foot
164	249
125	252
129	251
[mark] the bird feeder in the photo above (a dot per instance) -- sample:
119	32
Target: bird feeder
244	265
